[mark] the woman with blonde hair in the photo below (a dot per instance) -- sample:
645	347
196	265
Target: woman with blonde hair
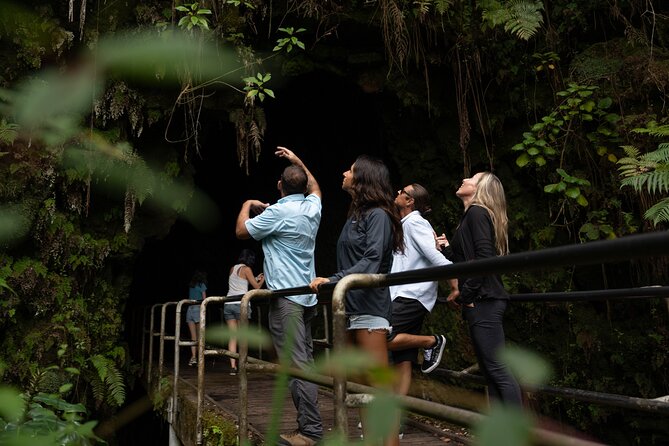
483	233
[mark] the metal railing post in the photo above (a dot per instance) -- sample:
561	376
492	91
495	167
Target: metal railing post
151	335
177	357
163	338
243	350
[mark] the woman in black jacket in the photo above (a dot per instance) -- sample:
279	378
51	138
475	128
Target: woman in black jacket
482	233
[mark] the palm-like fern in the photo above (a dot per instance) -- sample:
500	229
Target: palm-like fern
649	172
8	132
520	17
108	385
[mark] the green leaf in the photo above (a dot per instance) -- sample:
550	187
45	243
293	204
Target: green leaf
605	103
221	335
573	192
540	160
269	92
551	188
504	425
582	200
517	147
65	388
529	368
533	151
522	160
12	404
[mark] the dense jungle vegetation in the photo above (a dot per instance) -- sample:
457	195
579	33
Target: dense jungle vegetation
566	100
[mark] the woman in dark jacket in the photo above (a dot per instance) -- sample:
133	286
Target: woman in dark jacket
371	233
482	233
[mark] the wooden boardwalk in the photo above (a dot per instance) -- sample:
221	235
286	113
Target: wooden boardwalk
223	390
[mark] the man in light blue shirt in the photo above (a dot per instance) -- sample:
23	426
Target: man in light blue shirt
288	230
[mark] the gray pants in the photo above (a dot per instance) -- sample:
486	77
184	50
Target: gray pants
290	320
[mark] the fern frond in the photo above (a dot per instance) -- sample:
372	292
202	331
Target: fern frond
524	18
661	155
115	386
98	389
8	132
654	130
519	17
659	212
441	6
395	33
110	386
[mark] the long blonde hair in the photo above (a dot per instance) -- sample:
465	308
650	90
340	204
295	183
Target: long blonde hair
490	195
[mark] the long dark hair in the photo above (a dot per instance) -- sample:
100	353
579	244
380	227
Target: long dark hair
198	277
247	257
371	188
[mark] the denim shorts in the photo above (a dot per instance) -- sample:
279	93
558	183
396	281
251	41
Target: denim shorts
368	322
193	314
233	311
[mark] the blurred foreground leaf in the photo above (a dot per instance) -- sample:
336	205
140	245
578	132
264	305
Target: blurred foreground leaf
382	417
13	224
172	54
505	426
529	368
222	334
11	404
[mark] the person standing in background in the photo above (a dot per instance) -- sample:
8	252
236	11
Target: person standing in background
483	233
241	277
197	291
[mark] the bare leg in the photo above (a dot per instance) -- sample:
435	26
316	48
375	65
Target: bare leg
192	326
403	383
232	343
405	341
375	343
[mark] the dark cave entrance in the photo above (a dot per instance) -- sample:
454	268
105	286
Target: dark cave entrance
327	120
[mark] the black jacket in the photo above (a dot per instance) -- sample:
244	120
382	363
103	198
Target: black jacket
475	239
366	246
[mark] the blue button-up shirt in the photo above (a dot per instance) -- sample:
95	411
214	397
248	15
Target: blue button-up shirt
288	231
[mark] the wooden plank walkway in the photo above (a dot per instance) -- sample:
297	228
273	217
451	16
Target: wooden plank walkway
223	389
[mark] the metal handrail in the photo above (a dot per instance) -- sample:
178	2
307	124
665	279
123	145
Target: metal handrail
593	252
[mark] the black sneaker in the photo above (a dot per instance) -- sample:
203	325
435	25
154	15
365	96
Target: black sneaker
233	371
432	356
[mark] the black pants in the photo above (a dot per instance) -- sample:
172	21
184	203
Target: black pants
487	333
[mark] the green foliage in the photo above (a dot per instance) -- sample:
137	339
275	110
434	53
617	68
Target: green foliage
194	16
291	40
650	172
255	86
569	186
109	387
44	419
520	17
245	3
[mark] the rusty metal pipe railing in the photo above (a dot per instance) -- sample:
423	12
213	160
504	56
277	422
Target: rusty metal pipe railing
152	334
340	384
163	338
243	349
594	295
178	343
604	251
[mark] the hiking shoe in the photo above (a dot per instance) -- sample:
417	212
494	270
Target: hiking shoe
296	438
233	371
432	356
192	362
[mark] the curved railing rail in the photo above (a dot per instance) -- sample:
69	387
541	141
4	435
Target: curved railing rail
644	245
